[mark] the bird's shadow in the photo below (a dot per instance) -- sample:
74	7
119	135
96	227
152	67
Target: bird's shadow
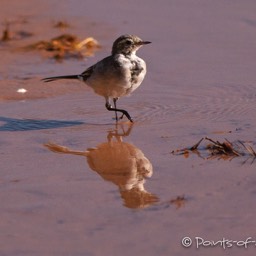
14	124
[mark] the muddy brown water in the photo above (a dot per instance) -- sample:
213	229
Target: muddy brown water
63	200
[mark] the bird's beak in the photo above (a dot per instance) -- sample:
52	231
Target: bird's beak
142	43
145	42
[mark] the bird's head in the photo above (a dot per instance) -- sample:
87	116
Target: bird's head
127	44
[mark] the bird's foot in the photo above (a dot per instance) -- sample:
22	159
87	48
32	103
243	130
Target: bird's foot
121	118
124	112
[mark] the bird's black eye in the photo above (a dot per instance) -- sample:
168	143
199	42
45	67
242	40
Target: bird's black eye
128	42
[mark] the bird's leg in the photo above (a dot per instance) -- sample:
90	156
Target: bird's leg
115	100
124	112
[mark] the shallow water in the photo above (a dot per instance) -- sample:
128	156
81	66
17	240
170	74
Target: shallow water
61	199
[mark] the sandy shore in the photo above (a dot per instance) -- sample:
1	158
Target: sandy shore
74	183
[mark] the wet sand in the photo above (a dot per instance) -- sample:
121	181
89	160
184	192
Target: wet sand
74	183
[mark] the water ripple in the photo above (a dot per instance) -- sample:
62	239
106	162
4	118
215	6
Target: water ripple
216	103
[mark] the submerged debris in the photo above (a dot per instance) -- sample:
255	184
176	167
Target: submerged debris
179	201
66	46
6	33
222	150
61	24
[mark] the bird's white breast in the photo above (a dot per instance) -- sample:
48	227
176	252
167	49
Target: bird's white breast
117	77
134	69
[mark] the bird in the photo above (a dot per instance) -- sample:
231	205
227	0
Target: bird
115	76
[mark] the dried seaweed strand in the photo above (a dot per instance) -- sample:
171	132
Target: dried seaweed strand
196	145
248	148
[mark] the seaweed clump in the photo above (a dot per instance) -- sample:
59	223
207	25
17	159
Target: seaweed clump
215	149
66	46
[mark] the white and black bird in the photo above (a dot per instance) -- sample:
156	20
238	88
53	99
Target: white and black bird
116	75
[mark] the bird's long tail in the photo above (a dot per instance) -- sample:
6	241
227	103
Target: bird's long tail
53	78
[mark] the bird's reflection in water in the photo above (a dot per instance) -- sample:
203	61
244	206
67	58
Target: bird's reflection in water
121	163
